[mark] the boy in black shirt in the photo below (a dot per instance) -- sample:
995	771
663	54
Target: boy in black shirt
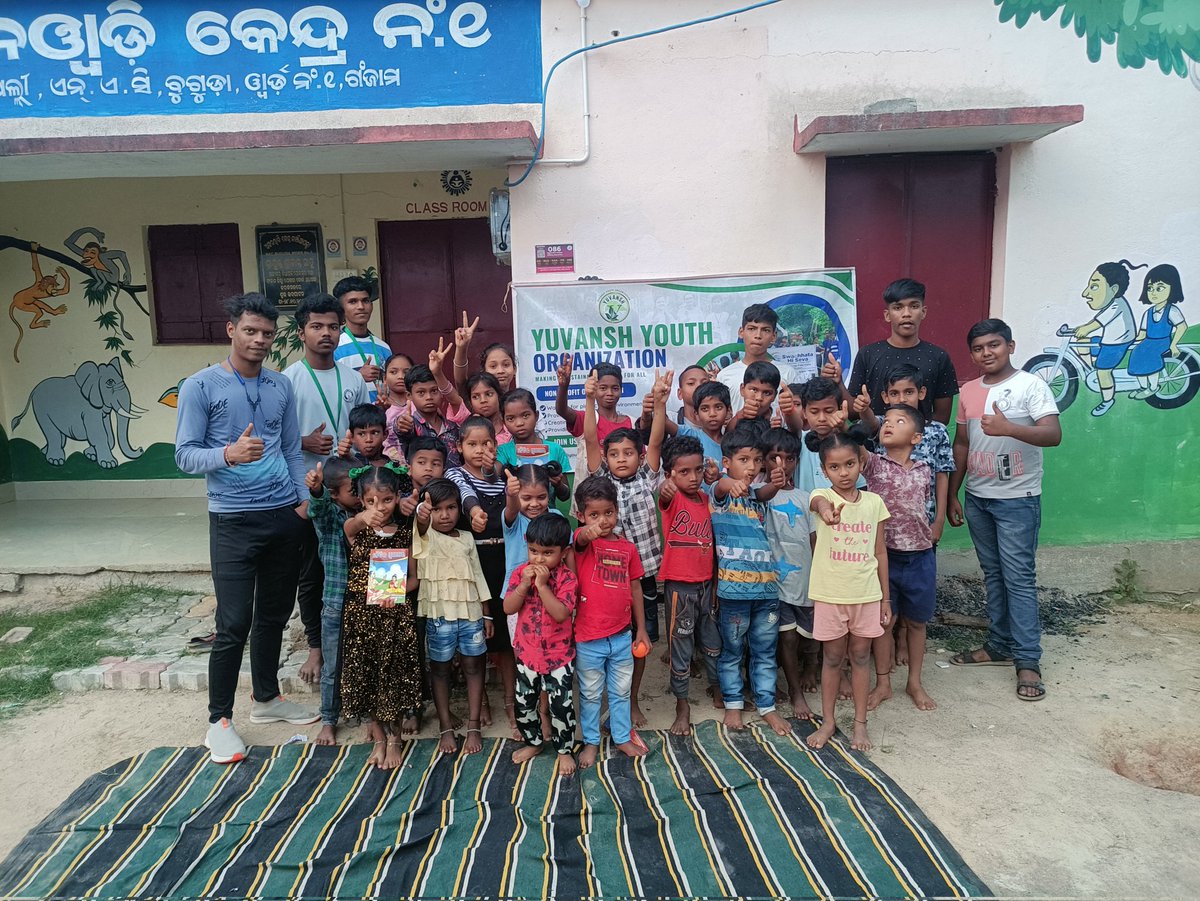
905	300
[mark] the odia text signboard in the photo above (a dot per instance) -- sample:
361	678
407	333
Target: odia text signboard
289	262
124	58
671	324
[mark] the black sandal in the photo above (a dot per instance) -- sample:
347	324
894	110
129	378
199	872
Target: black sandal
1039	688
967	658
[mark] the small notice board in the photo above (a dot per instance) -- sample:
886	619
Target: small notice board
290	265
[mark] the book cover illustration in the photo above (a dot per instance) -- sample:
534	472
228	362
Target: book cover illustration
387	576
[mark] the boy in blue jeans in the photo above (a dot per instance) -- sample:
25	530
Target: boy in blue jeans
747	580
610	597
332	501
1004	420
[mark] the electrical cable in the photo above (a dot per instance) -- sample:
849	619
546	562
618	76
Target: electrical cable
628	37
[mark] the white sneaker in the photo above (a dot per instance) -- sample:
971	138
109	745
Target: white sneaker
223	743
281	710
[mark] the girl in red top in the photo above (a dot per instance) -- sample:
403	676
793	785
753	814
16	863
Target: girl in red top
687	572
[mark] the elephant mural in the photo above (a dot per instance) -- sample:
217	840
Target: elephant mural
79	407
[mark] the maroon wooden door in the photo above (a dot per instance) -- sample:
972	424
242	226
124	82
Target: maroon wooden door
432	271
922	216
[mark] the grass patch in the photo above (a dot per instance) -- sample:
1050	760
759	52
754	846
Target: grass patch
65	639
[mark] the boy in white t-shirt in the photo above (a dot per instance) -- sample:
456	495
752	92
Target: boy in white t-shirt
1004	420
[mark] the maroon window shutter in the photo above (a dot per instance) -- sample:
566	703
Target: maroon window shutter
193	269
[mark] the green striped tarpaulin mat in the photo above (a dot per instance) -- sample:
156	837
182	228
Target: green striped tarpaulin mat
715	814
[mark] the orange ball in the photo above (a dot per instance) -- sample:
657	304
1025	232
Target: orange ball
641	648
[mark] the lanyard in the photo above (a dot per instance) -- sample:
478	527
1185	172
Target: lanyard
254	403
362	353
333	423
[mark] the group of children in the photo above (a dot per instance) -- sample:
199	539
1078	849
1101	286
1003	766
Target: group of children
785	522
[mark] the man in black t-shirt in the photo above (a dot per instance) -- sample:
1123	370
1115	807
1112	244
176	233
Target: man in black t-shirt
905	299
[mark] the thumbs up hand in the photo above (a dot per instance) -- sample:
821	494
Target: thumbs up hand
862	401
247	448
369	371
995	424
317	442
314	479
345	445
408	505
838	418
831	368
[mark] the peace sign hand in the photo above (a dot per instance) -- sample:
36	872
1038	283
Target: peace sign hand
464	333
564	371
438	356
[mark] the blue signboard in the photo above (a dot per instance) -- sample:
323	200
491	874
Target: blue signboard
86	58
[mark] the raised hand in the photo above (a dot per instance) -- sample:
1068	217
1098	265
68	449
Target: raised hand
778	477
437	356
862	401
374	517
317	442
424	511
408	505
512	486
713	370
464	333
776	420
995	424
662	385
314	479
247	448
564	371
589	386
591	533
712	472
345	445
831	368
479	520
738	488
750	408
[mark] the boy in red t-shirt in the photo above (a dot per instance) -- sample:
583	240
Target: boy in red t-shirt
542	593
610	596
687	572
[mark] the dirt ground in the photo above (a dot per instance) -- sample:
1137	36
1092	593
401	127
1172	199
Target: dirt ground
1026	792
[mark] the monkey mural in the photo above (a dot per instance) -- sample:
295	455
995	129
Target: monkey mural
108	266
33	299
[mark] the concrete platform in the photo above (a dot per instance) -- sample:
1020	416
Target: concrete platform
61	549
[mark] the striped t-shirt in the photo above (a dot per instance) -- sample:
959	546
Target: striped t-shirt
746	569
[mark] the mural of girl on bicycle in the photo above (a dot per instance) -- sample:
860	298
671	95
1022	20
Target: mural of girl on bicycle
1108	356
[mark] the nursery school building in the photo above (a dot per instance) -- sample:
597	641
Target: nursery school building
156	158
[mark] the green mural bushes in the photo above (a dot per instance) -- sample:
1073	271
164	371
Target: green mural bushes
29	465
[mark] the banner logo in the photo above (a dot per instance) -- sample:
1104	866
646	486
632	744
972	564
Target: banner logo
456	182
614	306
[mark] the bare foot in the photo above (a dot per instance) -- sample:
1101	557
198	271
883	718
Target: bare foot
880	693
714	692
447	743
526	752
920	697
810	674
902	646
378	753
393	757
411	724
683	718
639	718
632	749
800	706
511	709
566	765
821	737
473	743
860	742
778	723
310	671
327	736
733	719
587	757
780	696
485	712
845	692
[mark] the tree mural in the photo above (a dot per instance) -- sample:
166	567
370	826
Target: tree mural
1166	32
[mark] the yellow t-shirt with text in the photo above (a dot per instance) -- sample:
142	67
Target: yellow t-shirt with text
844	567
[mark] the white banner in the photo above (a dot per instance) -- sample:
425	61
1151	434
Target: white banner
670	324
